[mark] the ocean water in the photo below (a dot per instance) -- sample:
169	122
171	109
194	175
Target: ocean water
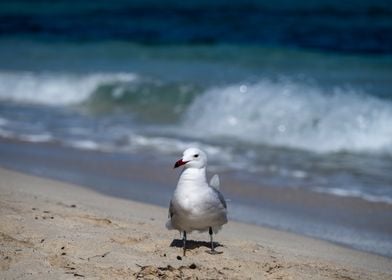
327	128
287	95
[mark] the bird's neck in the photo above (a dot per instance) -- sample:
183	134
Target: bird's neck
196	176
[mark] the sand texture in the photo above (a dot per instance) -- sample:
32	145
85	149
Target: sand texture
54	230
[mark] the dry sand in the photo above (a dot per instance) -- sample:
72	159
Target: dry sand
54	230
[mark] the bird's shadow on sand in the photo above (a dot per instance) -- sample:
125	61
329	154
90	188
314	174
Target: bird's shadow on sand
193	244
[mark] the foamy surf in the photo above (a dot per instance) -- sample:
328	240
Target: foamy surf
274	113
294	115
355	194
276	130
58	89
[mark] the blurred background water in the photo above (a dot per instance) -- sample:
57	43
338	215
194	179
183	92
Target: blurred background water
291	94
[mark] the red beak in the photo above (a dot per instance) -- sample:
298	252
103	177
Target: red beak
179	163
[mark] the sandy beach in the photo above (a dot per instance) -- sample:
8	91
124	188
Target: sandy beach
55	230
290	100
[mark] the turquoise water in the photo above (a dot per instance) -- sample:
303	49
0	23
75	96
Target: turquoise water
296	118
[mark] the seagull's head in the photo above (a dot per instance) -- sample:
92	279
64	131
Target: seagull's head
192	158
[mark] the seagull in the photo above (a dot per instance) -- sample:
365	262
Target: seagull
196	205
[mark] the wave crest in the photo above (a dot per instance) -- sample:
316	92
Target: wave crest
293	115
54	88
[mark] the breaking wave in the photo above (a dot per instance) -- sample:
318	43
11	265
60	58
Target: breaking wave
54	88
274	113
294	115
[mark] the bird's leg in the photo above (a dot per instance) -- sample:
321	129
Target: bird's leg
211	240
212	251
184	242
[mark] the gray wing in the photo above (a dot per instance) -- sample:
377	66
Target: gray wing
220	196
215	182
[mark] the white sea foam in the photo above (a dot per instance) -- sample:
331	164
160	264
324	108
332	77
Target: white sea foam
36	138
7	134
169	145
3	121
85	144
54	88
354	193
293	115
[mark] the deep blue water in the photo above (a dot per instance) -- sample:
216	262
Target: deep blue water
341	26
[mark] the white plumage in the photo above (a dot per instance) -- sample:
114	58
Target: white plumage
195	204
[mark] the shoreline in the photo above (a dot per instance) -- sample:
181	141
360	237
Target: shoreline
351	222
51	229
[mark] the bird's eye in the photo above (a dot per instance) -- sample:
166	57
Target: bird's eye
195	156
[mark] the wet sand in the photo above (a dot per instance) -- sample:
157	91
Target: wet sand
55	230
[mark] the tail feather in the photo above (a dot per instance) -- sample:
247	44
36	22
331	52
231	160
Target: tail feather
169	225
